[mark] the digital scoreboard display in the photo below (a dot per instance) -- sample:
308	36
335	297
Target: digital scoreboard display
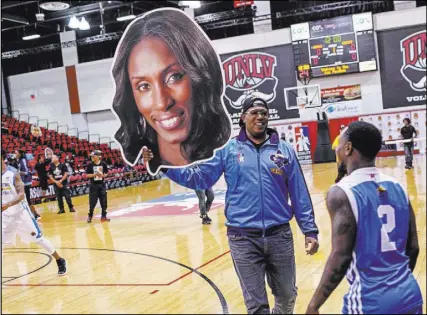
336	46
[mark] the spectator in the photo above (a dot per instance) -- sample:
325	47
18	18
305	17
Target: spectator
408	133
342	171
27	179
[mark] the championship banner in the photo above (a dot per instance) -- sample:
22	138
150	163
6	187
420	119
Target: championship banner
169	84
262	73
342	101
303	146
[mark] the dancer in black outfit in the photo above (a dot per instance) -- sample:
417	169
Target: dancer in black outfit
96	171
58	173
42	173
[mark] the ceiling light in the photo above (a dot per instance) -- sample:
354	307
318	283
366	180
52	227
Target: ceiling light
33	36
54	6
126	17
74	22
84	25
190	4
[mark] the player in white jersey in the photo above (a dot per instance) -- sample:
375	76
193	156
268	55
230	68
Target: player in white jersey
374	234
17	217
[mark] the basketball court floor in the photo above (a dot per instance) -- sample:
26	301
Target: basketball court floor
156	257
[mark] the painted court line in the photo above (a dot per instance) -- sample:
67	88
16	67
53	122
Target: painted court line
118	284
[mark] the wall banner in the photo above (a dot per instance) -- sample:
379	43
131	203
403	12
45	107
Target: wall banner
402	56
262	73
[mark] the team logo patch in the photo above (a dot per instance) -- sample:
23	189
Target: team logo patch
279	159
413	48
250	75
240	157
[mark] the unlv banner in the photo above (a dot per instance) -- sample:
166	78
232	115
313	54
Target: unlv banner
402	56
262	73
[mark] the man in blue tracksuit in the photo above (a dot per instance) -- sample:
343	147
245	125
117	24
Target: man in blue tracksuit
261	172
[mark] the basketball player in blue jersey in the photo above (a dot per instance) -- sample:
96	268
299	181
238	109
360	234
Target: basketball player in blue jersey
17	218
374	238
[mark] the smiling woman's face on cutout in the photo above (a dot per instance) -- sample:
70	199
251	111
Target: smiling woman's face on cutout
161	89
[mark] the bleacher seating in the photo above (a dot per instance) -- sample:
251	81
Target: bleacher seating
16	135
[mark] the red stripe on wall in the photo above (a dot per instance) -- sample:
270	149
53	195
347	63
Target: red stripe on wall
335	124
312	135
73	89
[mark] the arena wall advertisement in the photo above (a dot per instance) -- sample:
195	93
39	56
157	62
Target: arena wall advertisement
342	101
82	188
402	56
303	146
263	73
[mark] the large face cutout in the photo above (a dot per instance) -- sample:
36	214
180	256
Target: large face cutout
161	90
168	92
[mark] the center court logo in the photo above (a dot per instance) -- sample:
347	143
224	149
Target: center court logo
413	48
176	204
250	74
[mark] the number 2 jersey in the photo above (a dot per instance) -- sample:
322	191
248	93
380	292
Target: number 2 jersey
379	275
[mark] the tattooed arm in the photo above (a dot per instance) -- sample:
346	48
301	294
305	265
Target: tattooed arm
20	193
344	229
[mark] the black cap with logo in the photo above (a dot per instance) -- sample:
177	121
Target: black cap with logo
249	103
96	153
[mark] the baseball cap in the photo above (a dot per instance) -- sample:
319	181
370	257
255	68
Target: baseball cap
249	103
96	153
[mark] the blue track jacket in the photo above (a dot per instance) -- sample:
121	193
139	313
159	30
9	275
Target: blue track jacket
259	183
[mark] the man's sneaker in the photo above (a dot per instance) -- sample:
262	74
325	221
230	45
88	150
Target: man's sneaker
89	219
105	219
209	219
61	211
205	221
72	210
62	266
37	216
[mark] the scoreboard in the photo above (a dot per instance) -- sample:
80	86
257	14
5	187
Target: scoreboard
340	45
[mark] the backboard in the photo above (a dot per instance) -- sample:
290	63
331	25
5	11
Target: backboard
301	97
